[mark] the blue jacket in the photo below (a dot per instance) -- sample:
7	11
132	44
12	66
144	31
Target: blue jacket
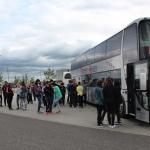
99	96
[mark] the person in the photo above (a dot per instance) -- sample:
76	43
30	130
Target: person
63	91
4	92
43	94
17	95
119	100
84	92
33	92
29	95
23	96
73	94
57	96
68	92
1	96
109	96
38	93
80	94
49	95
99	102
9	94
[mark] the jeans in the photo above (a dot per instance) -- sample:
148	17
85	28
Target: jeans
56	104
39	98
100	115
23	103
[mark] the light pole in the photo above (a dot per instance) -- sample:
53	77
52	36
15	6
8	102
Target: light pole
8	74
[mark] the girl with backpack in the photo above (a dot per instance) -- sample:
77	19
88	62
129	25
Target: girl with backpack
23	96
57	96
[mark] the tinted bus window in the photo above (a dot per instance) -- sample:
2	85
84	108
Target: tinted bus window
144	34
114	45
100	51
130	49
90	56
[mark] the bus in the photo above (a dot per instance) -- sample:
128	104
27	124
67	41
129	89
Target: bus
125	57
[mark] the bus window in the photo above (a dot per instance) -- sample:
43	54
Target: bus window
130	53
144	33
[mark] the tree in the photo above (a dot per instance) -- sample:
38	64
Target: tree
1	77
49	74
32	80
16	80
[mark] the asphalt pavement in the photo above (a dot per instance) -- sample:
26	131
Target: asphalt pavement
18	133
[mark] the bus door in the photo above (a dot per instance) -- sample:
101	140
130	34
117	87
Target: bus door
130	88
141	78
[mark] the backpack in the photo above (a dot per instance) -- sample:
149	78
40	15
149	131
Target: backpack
23	92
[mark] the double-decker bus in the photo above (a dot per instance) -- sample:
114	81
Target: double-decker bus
125	57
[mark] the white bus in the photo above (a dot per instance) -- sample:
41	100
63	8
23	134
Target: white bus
125	57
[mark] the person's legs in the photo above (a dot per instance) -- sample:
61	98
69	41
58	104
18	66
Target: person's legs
5	98
63	99
58	106
17	101
8	102
104	111
51	103
39	103
84	99
1	100
25	104
118	114
113	118
98	115
47	104
21	103
11	98
71	101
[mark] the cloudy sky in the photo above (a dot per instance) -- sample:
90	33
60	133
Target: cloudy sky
37	34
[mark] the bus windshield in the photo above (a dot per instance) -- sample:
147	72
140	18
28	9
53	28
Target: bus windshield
144	34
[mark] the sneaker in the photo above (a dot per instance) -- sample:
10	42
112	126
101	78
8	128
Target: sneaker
58	111
114	126
100	125
118	123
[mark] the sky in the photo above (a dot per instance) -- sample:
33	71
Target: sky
40	34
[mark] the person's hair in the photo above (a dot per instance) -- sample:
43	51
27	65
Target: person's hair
79	83
51	80
70	81
37	80
99	83
109	81
23	84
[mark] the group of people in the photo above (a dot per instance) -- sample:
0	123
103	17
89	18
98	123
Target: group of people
46	93
108	99
8	94
107	96
76	94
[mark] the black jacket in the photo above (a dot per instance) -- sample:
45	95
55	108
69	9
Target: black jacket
109	94
48	91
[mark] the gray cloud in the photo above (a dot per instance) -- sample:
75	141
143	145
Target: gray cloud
37	34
